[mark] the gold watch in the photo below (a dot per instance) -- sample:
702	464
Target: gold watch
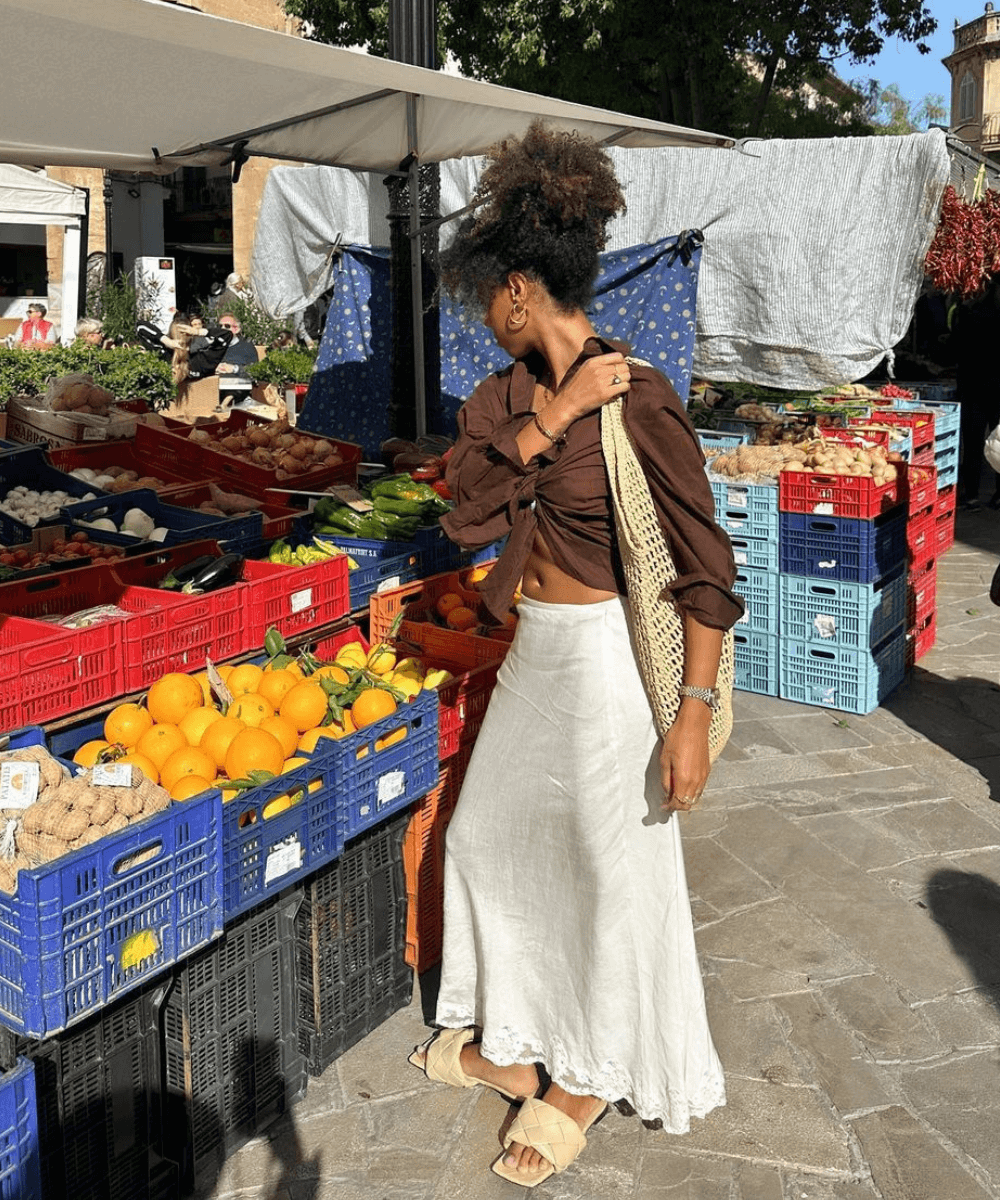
709	695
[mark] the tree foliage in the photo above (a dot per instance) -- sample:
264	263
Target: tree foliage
684	61
890	112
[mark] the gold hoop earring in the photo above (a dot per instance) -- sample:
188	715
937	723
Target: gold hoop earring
517	318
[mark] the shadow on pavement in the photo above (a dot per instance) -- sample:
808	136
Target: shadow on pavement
960	715
967	907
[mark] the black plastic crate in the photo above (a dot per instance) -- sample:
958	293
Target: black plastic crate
231	1059
351	943
98	1094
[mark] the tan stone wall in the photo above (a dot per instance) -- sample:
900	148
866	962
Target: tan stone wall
265	14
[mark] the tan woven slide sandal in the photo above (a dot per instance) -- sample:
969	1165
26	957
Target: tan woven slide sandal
440	1061
552	1133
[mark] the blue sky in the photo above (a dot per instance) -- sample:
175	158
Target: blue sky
919	74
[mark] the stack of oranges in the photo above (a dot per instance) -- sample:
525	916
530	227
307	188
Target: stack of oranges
460	607
186	740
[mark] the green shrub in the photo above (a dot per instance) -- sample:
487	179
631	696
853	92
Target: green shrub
129	374
256	325
284	367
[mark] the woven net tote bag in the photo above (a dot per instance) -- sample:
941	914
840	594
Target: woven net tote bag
649	568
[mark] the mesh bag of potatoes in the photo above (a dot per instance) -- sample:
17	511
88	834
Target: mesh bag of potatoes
65	812
76	394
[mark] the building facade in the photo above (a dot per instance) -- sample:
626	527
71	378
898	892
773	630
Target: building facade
974	65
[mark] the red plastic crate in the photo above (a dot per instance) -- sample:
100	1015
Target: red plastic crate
278	517
422	594
423	864
98	455
42	677
920	487
170	445
944	532
857	437
463	700
921	595
947	500
295	599
855	496
920	639
920	422
921	546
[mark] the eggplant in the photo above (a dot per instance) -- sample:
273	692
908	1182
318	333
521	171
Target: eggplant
180	575
217	574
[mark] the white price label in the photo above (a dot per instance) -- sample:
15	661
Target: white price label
18	784
391	785
745	619
827	564
91	434
823	510
283	857
112	775
740	558
391	582
302	600
737	498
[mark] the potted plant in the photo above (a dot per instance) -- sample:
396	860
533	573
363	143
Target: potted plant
286	370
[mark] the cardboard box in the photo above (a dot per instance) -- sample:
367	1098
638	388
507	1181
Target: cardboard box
35	425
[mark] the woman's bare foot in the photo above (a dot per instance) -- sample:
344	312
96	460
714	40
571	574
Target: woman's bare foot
581	1109
516	1080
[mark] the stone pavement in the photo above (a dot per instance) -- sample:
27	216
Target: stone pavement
846	889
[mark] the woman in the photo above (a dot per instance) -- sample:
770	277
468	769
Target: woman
192	350
568	937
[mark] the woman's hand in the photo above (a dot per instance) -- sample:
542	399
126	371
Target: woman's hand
684	762
597	381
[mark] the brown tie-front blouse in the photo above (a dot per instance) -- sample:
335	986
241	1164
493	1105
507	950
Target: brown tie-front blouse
563	491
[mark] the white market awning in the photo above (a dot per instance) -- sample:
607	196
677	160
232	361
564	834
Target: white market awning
143	85
31	198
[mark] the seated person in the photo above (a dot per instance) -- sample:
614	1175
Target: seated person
90	332
239	354
34	332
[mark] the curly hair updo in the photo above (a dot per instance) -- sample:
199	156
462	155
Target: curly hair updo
546	199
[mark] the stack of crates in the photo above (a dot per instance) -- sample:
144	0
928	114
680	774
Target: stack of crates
748	512
842	589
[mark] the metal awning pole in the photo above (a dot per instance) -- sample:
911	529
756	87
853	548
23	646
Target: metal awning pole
416	273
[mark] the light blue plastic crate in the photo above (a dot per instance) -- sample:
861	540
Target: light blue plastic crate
19	1160
947	414
761	553
731	425
828	612
840	677
746	510
755	662
946	461
759	590
720	439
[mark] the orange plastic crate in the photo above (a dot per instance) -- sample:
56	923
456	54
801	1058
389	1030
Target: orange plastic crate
423	864
418	598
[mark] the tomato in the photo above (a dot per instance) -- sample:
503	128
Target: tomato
442	489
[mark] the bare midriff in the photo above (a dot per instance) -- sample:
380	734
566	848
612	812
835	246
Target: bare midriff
543	580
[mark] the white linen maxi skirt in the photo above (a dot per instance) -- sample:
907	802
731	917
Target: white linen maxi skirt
567	924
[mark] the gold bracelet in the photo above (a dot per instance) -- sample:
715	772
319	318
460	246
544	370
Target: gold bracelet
556	441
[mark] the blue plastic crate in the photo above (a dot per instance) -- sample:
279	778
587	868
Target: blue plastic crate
731	425
19	1162
381	565
27	466
755	662
6	447
826	611
946	461
437	551
947	413
759	590
760	553
746	510
182	524
264	852
488	553
720	439
373	782
927	391
841	677
62	935
843	548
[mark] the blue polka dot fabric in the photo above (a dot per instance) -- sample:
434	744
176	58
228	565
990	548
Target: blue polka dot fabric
645	296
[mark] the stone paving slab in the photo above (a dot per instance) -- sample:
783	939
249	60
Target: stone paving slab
845	881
